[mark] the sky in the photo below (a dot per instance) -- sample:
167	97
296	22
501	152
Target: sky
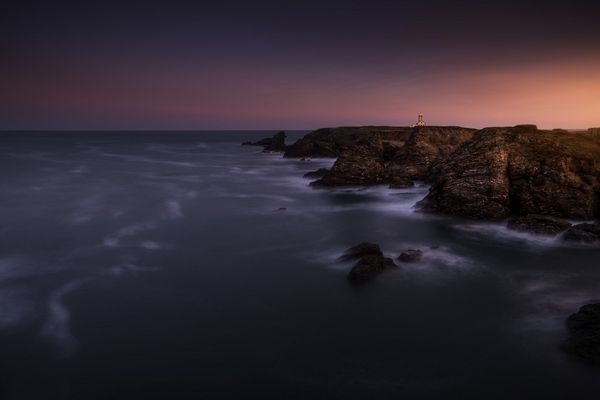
298	64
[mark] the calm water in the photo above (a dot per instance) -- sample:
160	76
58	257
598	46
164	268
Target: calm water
155	265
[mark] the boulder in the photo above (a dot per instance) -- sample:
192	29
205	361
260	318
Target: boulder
411	255
369	267
362	250
538	224
584	333
586	233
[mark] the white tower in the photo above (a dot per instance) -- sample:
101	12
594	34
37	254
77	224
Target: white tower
420	120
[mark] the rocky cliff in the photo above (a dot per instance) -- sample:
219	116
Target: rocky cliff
397	157
517	171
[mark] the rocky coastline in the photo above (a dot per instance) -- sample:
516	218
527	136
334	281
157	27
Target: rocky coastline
494	174
537	181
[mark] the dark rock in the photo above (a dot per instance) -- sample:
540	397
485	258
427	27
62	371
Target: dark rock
584	333
519	171
411	255
586	232
361	165
361	250
401	183
281	209
368	267
275	143
538	224
321	172
331	142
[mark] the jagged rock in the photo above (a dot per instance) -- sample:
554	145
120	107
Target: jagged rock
519	171
321	172
411	255
361	250
394	157
275	143
584	333
586	232
361	165
538	224
425	146
368	267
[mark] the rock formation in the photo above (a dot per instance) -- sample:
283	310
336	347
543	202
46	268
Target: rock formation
519	171
371	262
275	143
376	155
411	255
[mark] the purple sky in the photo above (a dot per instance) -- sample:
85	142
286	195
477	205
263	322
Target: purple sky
275	65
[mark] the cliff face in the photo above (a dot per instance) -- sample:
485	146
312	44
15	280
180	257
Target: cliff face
423	148
518	171
377	158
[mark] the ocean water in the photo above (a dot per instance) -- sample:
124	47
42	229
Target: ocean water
159	265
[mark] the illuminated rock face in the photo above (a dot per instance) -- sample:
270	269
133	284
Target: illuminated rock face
519	171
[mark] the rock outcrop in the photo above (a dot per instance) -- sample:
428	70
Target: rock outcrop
361	250
425	146
411	255
371	262
332	142
584	333
538	224
518	171
583	233
275	143
361	165
370	156
368	267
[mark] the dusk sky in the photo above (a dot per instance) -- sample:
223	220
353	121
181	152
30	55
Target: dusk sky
298	65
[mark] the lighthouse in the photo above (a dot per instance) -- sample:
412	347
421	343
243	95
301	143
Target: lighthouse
420	120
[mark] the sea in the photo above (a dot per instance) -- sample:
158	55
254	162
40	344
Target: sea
182	265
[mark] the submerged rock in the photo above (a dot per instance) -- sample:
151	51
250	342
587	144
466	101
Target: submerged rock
368	267
321	172
586	232
538	224
584	333
361	250
275	143
411	255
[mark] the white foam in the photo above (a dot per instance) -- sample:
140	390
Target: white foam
173	209
56	325
501	232
114	239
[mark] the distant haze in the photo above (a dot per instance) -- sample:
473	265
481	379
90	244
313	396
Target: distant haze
272	65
